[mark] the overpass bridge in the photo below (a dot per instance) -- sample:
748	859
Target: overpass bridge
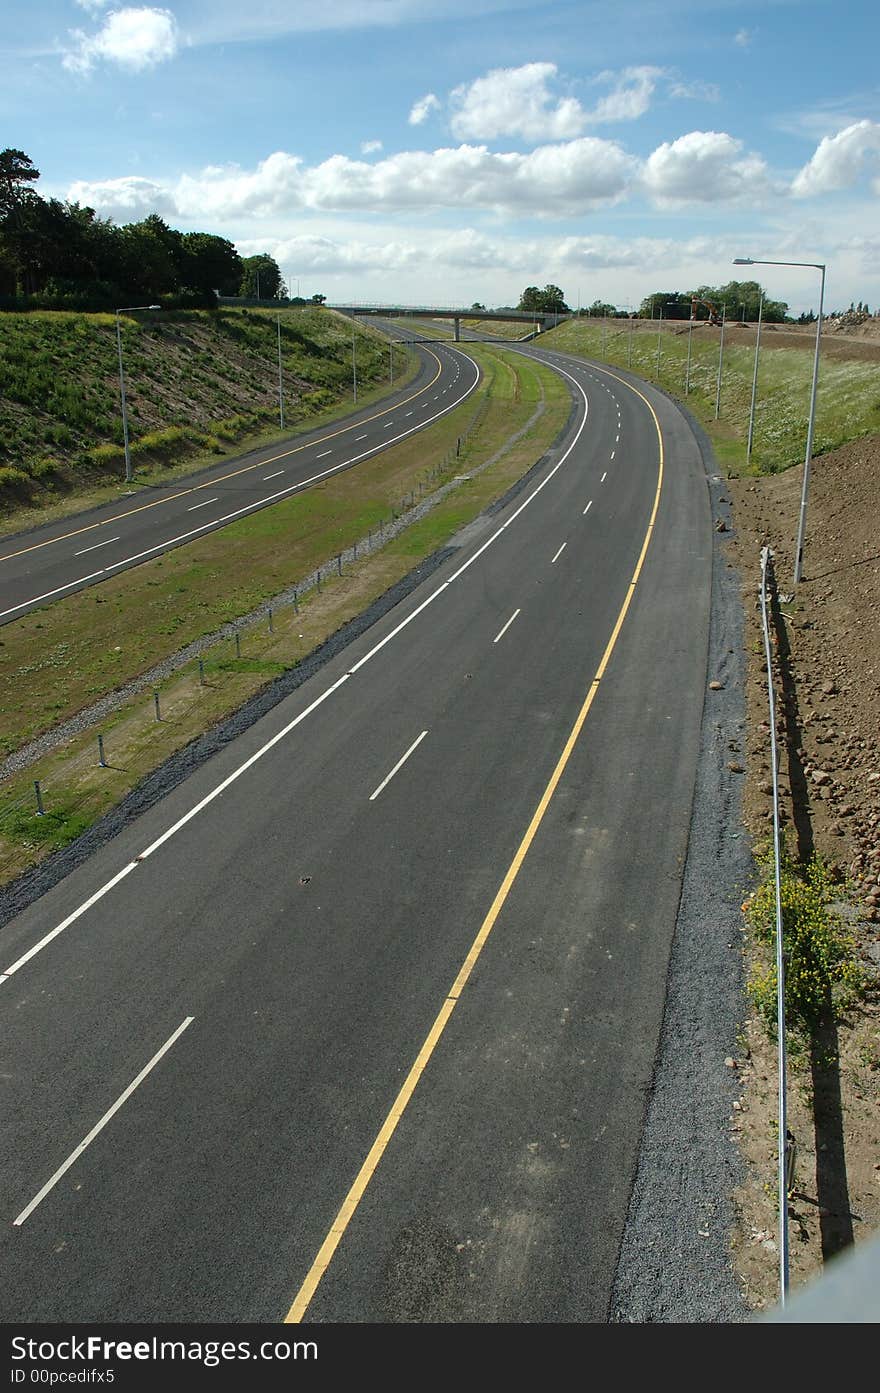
528	318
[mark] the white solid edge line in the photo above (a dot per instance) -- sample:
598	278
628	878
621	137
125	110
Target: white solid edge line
95	547
319	700
399	765
249	508
559	553
49	593
99	1126
503	631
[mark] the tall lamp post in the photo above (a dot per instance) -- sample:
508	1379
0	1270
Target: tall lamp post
755	382
280	375
802	521
354	371
720	364
129	309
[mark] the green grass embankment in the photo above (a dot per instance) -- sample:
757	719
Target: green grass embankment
847	403
58	660
198	384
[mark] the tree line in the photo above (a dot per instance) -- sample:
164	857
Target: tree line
56	254
737	299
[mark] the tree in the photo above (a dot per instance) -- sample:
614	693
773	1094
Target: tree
211	264
318	299
17	172
261	278
17	198
477	306
550	300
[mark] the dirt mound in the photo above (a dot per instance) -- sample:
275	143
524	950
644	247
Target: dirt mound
829	652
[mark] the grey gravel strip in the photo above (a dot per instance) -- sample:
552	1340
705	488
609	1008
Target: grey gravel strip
674	1262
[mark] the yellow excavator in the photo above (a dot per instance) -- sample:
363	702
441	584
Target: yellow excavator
714	316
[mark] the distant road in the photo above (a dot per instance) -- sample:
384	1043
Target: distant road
359	1023
50	562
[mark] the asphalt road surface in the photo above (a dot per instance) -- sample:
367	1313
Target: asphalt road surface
60	558
358	1024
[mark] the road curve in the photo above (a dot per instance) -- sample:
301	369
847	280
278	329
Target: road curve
60	558
358	1023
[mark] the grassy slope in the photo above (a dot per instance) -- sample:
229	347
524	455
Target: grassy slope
847	405
195	382
59	659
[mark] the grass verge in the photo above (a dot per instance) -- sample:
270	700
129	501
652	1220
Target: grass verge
58	660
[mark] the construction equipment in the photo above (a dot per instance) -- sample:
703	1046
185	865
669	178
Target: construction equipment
714	316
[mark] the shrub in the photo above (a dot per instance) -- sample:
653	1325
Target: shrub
822	973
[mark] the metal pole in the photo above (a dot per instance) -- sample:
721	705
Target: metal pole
41	811
780	960
101	759
124	408
802	522
659	332
280	377
632	321
391	359
354	375
720	362
687	371
604	326
754	383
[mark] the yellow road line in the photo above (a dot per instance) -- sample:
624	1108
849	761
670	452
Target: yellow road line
353	1198
233	474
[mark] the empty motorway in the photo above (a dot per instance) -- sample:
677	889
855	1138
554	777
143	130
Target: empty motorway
359	1023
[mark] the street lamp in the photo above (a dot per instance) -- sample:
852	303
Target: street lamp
754	382
280	377
129	309
720	362
354	371
802	521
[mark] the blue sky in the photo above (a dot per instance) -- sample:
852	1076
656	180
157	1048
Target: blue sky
448	151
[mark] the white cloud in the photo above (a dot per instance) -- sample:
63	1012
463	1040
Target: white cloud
631	93
838	159
369	147
134	38
92	5
515	101
125	200
743	37
704	167
422	109
520	102
697	90
548	181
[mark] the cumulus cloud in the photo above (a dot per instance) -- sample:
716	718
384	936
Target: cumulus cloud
127	199
519	101
134	38
838	159
422	109
743	38
515	101
704	167
369	147
548	181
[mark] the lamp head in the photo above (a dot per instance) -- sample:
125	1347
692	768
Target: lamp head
743	261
